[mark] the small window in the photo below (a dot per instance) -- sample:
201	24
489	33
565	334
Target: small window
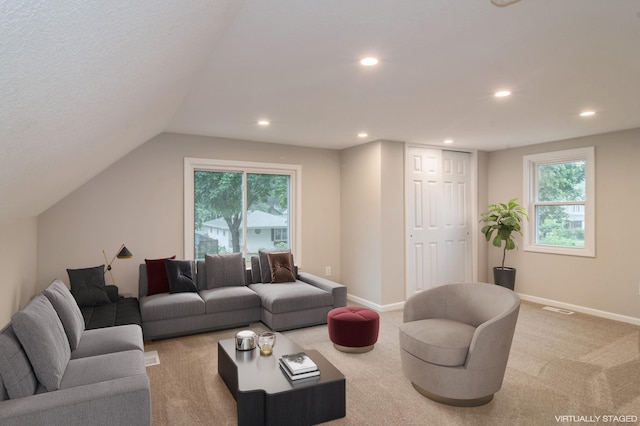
560	197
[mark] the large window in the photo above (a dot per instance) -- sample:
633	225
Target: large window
240	207
560	196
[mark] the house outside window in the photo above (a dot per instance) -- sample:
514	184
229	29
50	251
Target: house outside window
279	235
559	189
237	207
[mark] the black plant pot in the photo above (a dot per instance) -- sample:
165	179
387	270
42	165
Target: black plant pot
505	277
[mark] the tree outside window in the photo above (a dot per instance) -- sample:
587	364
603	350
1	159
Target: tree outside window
558	222
226	200
559	192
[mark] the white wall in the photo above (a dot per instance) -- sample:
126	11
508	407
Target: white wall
610	282
18	252
139	201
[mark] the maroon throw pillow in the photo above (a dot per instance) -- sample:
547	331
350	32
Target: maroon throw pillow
157	279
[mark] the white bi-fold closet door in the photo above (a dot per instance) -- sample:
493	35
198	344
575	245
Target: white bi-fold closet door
438	218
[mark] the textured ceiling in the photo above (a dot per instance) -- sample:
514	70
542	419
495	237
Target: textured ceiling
84	83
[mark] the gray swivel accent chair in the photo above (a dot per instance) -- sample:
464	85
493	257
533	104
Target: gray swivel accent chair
455	341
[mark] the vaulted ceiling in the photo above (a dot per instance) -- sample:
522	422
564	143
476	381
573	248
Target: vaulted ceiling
84	83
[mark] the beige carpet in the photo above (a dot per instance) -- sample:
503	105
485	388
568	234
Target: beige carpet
576	366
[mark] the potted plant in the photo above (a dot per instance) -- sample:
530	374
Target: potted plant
504	219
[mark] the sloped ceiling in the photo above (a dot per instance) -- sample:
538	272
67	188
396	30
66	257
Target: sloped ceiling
84	83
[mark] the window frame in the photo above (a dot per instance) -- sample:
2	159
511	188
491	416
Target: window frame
191	165
529	178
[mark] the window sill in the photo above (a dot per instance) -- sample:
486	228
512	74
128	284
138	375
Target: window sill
563	251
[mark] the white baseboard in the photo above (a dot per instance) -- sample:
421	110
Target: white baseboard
375	306
540	300
582	309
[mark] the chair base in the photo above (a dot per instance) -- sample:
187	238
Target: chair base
353	350
452	401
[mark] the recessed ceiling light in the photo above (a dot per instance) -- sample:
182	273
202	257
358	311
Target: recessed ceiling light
369	62
264	122
448	141
363	134
502	93
587	113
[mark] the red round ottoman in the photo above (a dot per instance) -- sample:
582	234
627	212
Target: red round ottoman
353	329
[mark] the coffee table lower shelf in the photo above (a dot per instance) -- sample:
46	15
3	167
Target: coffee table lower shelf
266	397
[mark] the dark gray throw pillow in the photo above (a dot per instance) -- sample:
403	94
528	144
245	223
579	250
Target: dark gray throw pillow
180	275
87	286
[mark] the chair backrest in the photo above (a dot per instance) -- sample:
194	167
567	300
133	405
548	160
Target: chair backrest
470	303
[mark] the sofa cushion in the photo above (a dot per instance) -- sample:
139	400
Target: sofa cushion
125	311
166	306
87	286
68	311
290	297
437	340
225	299
108	340
281	267
224	270
15	368
42	335
180	275
102	368
157	280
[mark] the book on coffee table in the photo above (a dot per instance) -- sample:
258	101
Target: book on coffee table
299	363
300	376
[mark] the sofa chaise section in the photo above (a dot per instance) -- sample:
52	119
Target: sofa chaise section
303	301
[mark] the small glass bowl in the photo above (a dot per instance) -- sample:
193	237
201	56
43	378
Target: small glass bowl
266	342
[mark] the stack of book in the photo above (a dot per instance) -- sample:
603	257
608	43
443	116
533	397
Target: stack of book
298	366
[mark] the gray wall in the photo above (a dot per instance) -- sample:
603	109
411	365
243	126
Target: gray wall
372	218
347	205
139	201
609	282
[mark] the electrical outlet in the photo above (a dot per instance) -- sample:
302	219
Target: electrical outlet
327	271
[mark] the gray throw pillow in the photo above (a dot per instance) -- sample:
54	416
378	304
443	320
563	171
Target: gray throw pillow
224	270
68	311
42	336
87	286
17	375
180	275
256	276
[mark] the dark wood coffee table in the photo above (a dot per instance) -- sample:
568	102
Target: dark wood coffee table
266	397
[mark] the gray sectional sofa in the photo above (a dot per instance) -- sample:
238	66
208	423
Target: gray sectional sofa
55	372
228	295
